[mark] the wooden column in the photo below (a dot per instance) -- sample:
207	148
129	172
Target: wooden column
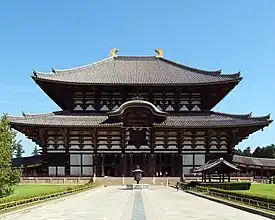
172	165
160	163
150	164
115	165
131	161
43	136
102	165
125	171
94	164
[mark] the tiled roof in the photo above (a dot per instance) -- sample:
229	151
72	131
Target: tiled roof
254	161
16	162
202	120
210	165
136	70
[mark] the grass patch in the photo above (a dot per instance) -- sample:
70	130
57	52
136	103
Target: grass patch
52	192
33	190
28	190
266	190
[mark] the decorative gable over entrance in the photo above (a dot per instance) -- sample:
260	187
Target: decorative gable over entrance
137	113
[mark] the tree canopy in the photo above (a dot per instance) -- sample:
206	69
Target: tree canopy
17	149
263	152
35	151
8	175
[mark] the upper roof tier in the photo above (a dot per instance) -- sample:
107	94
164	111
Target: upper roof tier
136	70
196	120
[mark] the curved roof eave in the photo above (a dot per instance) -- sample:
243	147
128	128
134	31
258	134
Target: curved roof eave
54	81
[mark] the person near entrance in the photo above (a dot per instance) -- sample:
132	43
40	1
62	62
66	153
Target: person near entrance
177	186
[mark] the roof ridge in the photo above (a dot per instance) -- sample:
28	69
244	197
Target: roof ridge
69	70
243	116
265	158
201	71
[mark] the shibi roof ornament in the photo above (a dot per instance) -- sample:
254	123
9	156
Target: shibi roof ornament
159	53
113	52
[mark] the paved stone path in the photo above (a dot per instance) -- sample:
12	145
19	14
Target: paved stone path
112	203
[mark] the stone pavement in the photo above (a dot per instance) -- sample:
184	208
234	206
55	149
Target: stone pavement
113	203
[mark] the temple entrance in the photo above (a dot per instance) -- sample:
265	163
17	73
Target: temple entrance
142	161
160	164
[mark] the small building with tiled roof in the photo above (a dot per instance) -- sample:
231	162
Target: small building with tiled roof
125	111
258	167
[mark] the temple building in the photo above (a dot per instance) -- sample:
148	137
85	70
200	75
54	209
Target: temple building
128	110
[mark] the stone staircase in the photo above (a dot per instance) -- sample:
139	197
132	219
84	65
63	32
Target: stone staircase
130	180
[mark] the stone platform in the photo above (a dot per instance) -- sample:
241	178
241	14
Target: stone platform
137	186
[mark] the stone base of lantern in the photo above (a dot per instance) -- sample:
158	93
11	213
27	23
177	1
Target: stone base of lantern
137	186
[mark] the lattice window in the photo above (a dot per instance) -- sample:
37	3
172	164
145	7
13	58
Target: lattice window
75	159
52	171
199	159
87	159
87	171
187	170
60	171
75	171
187	159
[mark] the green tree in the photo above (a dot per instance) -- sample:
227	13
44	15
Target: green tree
238	152
9	176
35	151
17	149
247	151
267	152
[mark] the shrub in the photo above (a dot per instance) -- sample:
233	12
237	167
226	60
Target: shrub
229	185
193	184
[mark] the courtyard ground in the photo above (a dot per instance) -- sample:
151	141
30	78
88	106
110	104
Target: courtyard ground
114	203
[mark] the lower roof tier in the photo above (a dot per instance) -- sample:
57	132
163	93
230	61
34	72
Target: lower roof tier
197	120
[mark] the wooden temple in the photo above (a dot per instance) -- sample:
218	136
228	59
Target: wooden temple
125	111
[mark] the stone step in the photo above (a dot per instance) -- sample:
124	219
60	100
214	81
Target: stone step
130	180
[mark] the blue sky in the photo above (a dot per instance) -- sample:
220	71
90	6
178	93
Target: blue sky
229	35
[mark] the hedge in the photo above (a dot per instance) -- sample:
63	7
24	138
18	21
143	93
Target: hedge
26	200
229	185
225	185
244	195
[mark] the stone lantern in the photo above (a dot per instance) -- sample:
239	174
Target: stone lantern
137	173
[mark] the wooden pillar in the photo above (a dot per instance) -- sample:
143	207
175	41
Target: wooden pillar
262	173
115	165
154	164
94	164
172	165
151	166
159	164
121	164
102	165
131	162
125	171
